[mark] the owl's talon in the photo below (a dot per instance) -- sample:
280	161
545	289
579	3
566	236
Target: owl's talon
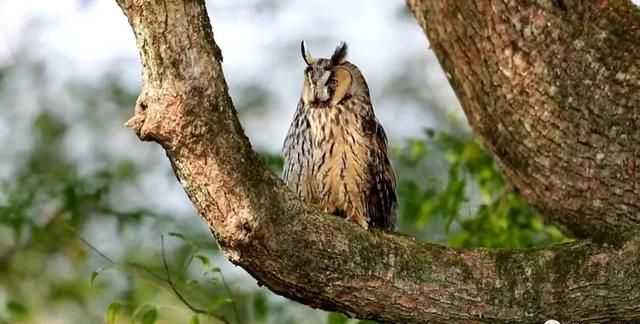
361	221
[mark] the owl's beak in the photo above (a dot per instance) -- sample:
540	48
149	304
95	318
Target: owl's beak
316	92
321	94
318	95
321	90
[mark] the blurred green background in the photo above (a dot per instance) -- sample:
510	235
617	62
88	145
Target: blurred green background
93	226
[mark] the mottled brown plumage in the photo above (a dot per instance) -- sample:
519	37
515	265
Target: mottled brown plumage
335	153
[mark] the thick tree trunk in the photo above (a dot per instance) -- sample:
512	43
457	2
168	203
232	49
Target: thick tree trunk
325	262
553	88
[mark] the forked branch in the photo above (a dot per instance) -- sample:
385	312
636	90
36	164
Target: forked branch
323	261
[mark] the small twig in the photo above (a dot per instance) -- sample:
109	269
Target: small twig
233	300
149	271
186	265
127	269
172	285
166	280
91	246
177	292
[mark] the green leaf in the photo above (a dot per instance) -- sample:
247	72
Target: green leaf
112	312
94	275
337	318
16	308
194	320
178	235
193	282
260	307
139	312
183	238
150	316
219	301
204	260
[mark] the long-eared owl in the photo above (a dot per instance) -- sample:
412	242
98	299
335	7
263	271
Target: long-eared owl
335	153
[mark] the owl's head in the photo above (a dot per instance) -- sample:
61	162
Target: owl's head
329	81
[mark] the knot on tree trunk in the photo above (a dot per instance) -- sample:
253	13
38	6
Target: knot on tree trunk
158	117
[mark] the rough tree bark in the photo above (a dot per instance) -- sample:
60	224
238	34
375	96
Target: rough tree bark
553	88
325	262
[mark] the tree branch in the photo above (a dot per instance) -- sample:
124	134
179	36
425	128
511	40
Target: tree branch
321	260
553	89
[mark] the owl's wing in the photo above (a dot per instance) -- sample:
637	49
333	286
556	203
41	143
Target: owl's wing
380	198
296	150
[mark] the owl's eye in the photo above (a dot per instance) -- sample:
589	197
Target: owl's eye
333	82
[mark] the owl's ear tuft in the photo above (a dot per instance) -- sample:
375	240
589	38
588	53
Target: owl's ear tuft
306	54
340	54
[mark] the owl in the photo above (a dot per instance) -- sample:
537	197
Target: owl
335	152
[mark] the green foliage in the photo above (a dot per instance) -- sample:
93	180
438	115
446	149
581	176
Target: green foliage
274	162
452	182
16	309
45	196
112	313
337	318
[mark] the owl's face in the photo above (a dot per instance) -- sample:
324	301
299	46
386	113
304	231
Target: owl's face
329	81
